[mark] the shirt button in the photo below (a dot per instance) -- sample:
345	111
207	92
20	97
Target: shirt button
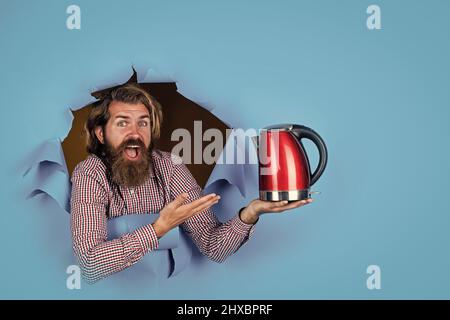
132	191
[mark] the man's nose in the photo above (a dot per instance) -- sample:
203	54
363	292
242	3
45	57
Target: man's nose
134	131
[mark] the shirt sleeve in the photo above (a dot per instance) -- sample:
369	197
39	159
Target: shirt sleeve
214	239
98	257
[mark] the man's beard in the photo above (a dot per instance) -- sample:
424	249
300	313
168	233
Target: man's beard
128	173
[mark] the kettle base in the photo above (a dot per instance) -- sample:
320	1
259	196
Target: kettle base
295	195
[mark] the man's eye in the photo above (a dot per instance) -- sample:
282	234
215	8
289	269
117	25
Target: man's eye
121	123
143	123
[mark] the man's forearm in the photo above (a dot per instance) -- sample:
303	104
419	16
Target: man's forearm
107	257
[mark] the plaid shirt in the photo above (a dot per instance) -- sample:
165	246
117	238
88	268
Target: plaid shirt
95	198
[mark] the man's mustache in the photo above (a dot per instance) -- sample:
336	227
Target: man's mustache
131	143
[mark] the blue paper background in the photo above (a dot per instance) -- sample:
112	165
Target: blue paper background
380	99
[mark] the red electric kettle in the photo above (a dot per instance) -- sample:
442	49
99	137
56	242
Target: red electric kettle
284	169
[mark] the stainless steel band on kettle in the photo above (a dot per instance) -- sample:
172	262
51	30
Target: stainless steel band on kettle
284	195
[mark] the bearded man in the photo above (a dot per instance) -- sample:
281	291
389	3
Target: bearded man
124	174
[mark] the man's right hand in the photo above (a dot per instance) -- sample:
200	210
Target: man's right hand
176	212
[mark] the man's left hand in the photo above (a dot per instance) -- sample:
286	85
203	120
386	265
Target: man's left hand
257	207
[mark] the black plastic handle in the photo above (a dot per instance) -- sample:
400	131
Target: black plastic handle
304	132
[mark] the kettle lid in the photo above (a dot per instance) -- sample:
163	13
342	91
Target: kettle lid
280	127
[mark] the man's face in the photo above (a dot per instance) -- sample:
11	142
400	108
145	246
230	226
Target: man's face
127	137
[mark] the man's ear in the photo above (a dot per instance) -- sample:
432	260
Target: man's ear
99	134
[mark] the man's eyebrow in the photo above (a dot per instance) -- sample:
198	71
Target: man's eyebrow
128	117
121	116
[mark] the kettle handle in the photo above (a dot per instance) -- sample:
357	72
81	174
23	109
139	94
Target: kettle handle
304	132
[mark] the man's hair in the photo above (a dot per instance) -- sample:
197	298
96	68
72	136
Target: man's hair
129	93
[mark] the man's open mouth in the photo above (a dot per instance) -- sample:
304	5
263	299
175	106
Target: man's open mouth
132	152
